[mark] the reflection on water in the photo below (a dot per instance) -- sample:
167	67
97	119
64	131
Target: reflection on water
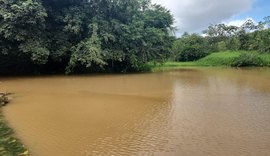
189	112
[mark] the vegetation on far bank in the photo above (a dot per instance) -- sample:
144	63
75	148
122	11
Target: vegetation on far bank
220	37
221	59
9	145
82	36
224	45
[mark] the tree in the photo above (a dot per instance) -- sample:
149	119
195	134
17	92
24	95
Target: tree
21	29
119	35
221	37
87	52
190	47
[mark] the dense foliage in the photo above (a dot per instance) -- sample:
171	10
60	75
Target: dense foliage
189	48
247	59
82	35
250	36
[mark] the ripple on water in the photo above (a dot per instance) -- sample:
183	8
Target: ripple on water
198	112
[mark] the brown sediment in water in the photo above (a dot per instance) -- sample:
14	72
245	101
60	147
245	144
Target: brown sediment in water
9	145
209	111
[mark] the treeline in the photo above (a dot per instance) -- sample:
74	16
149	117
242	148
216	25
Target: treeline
82	35
250	36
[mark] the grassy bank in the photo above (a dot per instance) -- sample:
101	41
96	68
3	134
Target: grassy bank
222	59
9	145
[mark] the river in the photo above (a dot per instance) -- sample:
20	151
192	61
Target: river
184	112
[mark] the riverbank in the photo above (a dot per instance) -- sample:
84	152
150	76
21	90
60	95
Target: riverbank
9	145
222	59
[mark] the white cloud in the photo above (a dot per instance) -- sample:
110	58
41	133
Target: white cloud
195	15
239	22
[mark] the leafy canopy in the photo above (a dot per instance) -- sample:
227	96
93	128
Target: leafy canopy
117	35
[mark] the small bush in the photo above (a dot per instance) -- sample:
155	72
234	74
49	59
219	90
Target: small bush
222	46
192	54
247	59
189	48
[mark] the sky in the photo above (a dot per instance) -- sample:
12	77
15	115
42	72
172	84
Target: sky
193	16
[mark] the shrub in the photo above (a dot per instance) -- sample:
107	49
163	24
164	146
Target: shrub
189	48
192	53
222	46
247	59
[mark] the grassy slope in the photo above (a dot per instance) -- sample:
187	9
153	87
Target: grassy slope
266	59
220	59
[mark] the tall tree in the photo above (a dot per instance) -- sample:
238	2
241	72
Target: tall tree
117	35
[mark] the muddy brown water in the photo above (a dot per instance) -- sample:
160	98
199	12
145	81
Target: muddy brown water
185	112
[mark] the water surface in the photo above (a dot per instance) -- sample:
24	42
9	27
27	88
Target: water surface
187	112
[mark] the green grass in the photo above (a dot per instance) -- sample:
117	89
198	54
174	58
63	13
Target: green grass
266	59
218	59
9	145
